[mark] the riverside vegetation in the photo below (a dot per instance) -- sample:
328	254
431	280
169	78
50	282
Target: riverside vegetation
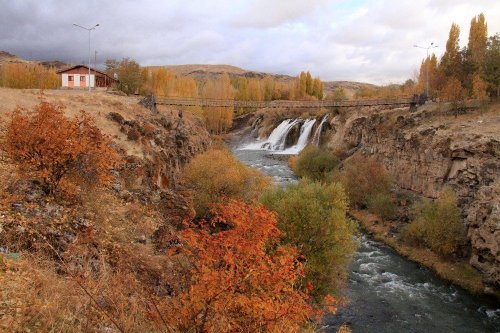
77	257
434	225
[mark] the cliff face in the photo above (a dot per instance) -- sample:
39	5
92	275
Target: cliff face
430	148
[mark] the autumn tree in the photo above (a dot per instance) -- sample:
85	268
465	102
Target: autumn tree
26	76
129	72
450	64
242	280
218	119
54	148
478	37
453	91
478	87
428	74
160	82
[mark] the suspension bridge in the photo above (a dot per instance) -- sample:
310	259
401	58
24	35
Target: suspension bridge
286	104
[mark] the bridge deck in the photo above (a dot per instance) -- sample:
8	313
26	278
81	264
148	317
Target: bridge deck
280	103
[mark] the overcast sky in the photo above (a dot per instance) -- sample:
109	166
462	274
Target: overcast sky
357	40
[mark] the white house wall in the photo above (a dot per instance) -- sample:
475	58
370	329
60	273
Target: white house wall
65	80
76	80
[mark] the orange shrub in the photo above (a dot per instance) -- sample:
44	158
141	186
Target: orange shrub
54	147
217	174
364	177
242	280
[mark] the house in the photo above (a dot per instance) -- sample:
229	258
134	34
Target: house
78	77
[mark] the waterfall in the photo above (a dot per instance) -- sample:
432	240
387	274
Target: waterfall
277	139
305	132
317	133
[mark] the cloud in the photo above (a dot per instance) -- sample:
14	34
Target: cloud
336	40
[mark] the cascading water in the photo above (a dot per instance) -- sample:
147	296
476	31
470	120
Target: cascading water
317	133
278	137
305	132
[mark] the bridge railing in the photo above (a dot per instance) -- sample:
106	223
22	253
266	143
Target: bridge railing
205	102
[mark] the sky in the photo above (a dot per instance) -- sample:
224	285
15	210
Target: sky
358	40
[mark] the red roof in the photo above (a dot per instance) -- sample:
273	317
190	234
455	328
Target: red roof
78	66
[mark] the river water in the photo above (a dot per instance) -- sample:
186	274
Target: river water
387	293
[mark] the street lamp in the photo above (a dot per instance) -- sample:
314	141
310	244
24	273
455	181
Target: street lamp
426	67
89	30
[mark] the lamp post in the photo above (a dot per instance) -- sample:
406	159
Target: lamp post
426	67
89	30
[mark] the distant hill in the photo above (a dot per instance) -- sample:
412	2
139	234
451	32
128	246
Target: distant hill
8	58
201	72
207	72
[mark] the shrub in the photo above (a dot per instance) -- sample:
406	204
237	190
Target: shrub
241	280
54	147
382	205
216	174
364	177
315	163
312	217
437	224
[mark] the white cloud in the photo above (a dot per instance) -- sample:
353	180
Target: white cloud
337	40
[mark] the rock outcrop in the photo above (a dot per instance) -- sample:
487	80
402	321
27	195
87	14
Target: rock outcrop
432	148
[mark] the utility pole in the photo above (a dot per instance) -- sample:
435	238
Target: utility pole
89	30
431	46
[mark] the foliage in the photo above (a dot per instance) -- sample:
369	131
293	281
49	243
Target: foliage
478	87
218	119
429	67
491	66
25	76
473	71
364	177
453	91
338	95
161	83
382	205
312	217
242	280
129	73
305	87
451	61
315	163
478	38
217	174
437	224
55	148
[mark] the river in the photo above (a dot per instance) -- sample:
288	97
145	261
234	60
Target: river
387	293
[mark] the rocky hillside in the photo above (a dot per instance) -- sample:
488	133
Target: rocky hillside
424	150
7	58
155	145
432	148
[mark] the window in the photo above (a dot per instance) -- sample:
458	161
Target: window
70	78
82	78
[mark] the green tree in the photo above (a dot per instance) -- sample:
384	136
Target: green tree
130	76
312	217
315	163
437	224
491	66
